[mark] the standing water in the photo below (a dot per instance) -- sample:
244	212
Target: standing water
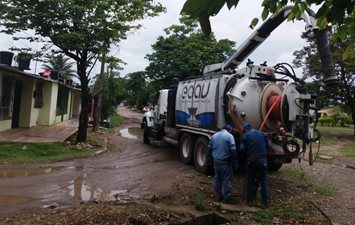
132	133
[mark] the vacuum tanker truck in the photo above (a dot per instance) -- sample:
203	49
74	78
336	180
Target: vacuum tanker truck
271	99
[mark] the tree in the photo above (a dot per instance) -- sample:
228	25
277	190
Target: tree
344	95
61	64
137	95
183	52
110	95
82	30
113	88
339	13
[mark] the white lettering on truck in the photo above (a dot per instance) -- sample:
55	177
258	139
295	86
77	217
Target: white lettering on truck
195	91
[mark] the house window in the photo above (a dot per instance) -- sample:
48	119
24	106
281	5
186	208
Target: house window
6	97
38	95
62	100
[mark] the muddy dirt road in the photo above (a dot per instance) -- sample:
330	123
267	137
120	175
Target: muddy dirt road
129	169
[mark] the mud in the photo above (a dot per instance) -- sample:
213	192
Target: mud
12	200
129	169
23	172
80	189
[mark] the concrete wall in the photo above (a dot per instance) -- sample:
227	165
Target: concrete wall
28	114
44	115
76	103
5	124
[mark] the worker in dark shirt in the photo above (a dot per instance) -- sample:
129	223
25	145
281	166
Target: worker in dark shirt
223	151
255	144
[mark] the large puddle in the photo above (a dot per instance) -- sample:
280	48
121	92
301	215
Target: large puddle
23	172
12	200
80	189
132	132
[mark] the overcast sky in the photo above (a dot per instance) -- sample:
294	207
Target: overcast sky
231	24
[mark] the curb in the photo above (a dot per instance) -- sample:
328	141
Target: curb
104	148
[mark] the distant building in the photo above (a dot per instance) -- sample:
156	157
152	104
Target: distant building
325	112
28	100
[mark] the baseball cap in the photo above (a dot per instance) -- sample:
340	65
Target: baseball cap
246	126
228	127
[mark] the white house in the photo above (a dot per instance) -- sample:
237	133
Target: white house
28	100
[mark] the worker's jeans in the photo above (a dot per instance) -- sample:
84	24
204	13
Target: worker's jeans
257	167
223	175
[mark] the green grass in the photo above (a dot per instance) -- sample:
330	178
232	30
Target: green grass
322	188
295	208
283	212
348	150
200	201
115	120
332	135
39	152
337	136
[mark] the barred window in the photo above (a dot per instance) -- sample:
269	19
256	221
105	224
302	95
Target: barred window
6	97
38	95
62	100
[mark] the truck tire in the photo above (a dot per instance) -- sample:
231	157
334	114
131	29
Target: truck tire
203	164
144	123
273	165
186	148
145	135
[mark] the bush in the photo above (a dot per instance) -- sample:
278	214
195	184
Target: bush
339	118
200	201
326	120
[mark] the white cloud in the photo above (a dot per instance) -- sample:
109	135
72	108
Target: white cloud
231	24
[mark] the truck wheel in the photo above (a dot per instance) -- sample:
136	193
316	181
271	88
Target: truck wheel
202	163
273	165
144	123
187	148
145	135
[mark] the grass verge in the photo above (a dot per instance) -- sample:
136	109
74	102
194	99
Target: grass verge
348	150
334	135
115	120
299	177
17	152
39	152
297	210
342	138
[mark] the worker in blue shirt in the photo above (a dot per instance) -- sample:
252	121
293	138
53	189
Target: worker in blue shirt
255	144
224	153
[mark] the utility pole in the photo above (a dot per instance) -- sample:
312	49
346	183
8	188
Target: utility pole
97	114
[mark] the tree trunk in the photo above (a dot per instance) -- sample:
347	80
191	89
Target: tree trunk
353	117
85	100
97	109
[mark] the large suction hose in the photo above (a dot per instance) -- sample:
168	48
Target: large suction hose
264	31
330	78
321	39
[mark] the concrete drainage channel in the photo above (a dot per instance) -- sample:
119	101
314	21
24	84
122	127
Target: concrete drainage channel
208	219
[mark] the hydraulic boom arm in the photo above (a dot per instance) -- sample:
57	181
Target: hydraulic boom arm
261	34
